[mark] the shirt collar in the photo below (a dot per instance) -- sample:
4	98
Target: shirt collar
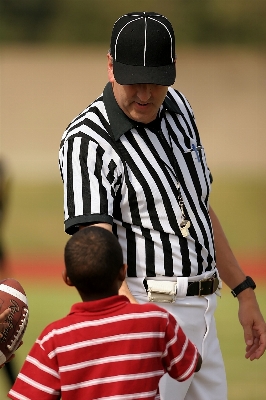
99	306
119	121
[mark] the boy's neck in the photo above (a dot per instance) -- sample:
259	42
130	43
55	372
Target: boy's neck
97	296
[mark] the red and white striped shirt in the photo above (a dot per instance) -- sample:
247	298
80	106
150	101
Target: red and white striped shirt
108	349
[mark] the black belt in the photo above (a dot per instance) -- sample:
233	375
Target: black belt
203	288
199	288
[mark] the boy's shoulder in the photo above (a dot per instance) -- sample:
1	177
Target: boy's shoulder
149	307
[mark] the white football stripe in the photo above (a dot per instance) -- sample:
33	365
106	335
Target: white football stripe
13	292
2	358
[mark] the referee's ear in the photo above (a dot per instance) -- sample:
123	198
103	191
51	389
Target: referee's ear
110	71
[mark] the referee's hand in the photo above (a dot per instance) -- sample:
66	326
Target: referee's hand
253	324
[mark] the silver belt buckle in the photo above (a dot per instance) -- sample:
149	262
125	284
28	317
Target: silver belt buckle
212	279
203	280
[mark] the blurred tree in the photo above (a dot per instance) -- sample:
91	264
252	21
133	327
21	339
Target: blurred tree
26	20
90	21
229	21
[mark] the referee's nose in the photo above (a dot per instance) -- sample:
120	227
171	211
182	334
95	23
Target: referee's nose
144	91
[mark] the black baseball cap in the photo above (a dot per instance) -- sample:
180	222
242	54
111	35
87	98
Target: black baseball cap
143	49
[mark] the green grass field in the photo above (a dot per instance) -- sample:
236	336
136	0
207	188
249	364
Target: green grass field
35	226
35	215
246	380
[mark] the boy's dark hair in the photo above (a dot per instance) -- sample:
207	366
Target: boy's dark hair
93	258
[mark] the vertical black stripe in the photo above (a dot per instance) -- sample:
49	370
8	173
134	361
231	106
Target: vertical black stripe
186	264
98	174
131	254
168	256
150	253
86	194
198	249
210	261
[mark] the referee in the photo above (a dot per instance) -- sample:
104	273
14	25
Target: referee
134	163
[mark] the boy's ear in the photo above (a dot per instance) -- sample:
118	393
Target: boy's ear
122	273
66	278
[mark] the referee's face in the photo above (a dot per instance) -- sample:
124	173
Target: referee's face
140	102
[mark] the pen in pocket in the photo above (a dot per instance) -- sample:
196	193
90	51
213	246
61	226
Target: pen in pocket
196	149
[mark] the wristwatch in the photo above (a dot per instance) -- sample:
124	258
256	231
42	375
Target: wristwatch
248	283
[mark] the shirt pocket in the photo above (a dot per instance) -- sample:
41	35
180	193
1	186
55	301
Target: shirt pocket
199	176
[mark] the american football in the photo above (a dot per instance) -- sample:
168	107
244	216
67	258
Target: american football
12	296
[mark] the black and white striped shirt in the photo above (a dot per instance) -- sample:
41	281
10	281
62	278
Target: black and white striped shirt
120	172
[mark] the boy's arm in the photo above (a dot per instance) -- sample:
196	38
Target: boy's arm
38	377
181	359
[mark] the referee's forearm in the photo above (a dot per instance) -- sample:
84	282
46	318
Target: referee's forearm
227	264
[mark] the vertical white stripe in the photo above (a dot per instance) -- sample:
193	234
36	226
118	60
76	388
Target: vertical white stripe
145	43
63	158
169	33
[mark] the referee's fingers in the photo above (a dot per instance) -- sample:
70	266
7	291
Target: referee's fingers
256	350
248	335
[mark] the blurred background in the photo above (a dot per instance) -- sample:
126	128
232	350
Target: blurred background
53	64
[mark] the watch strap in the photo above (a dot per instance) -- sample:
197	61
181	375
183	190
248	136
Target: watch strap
247	283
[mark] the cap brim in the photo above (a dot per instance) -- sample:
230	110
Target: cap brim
132	74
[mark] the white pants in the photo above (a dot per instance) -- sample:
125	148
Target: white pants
196	317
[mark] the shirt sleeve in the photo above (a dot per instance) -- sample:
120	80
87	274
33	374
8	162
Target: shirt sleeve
90	174
38	377
180	356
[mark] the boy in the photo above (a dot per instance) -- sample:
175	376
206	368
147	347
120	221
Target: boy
106	347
